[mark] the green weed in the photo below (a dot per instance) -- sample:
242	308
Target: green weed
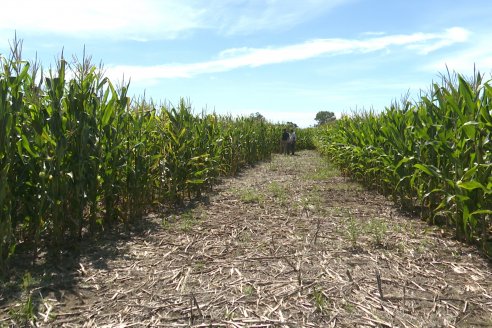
250	196
323	173
320	300
279	192
24	313
353	231
248	290
378	229
187	221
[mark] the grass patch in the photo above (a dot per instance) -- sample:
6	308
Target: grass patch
199	265
188	220
248	290
312	202
166	224
378	229
324	172
354	231
250	196
274	166
245	236
23	313
279	192
320	300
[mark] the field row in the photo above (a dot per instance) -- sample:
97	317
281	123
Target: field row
77	155
434	155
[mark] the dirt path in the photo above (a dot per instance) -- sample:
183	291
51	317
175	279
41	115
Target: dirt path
288	243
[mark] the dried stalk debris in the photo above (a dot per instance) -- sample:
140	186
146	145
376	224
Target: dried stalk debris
308	256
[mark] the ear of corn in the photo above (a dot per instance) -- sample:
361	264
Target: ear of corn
435	155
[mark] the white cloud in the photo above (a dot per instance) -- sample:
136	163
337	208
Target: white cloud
478	54
253	57
100	19
451	36
155	19
244	17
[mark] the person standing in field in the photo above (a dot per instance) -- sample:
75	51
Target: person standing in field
285	142
292	141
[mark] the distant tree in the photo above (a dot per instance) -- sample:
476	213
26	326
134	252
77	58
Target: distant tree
292	125
258	116
323	117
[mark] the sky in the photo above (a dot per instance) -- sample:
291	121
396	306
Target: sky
284	59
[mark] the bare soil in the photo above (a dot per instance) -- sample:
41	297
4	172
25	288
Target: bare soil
287	243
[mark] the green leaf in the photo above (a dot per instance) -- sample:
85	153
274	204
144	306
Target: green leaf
25	145
481	212
195	181
471	185
470	129
108	111
403	161
468	174
428	169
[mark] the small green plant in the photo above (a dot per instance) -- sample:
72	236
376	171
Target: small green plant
250	196
312	202
274	166
353	231
316	200
377	228
188	220
245	236
24	312
323	173
279	192
229	315
411	231
400	247
166	223
320	300
423	246
349	307
199	265
248	290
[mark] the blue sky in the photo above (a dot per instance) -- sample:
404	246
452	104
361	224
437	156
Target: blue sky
285	59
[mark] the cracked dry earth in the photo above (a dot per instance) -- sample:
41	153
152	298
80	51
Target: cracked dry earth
287	243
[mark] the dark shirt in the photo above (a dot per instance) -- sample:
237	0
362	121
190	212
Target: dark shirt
285	136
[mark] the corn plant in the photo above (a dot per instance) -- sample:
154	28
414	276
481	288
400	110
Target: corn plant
78	155
434	154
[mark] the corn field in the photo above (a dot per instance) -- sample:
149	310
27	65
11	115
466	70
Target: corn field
78	156
434	155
